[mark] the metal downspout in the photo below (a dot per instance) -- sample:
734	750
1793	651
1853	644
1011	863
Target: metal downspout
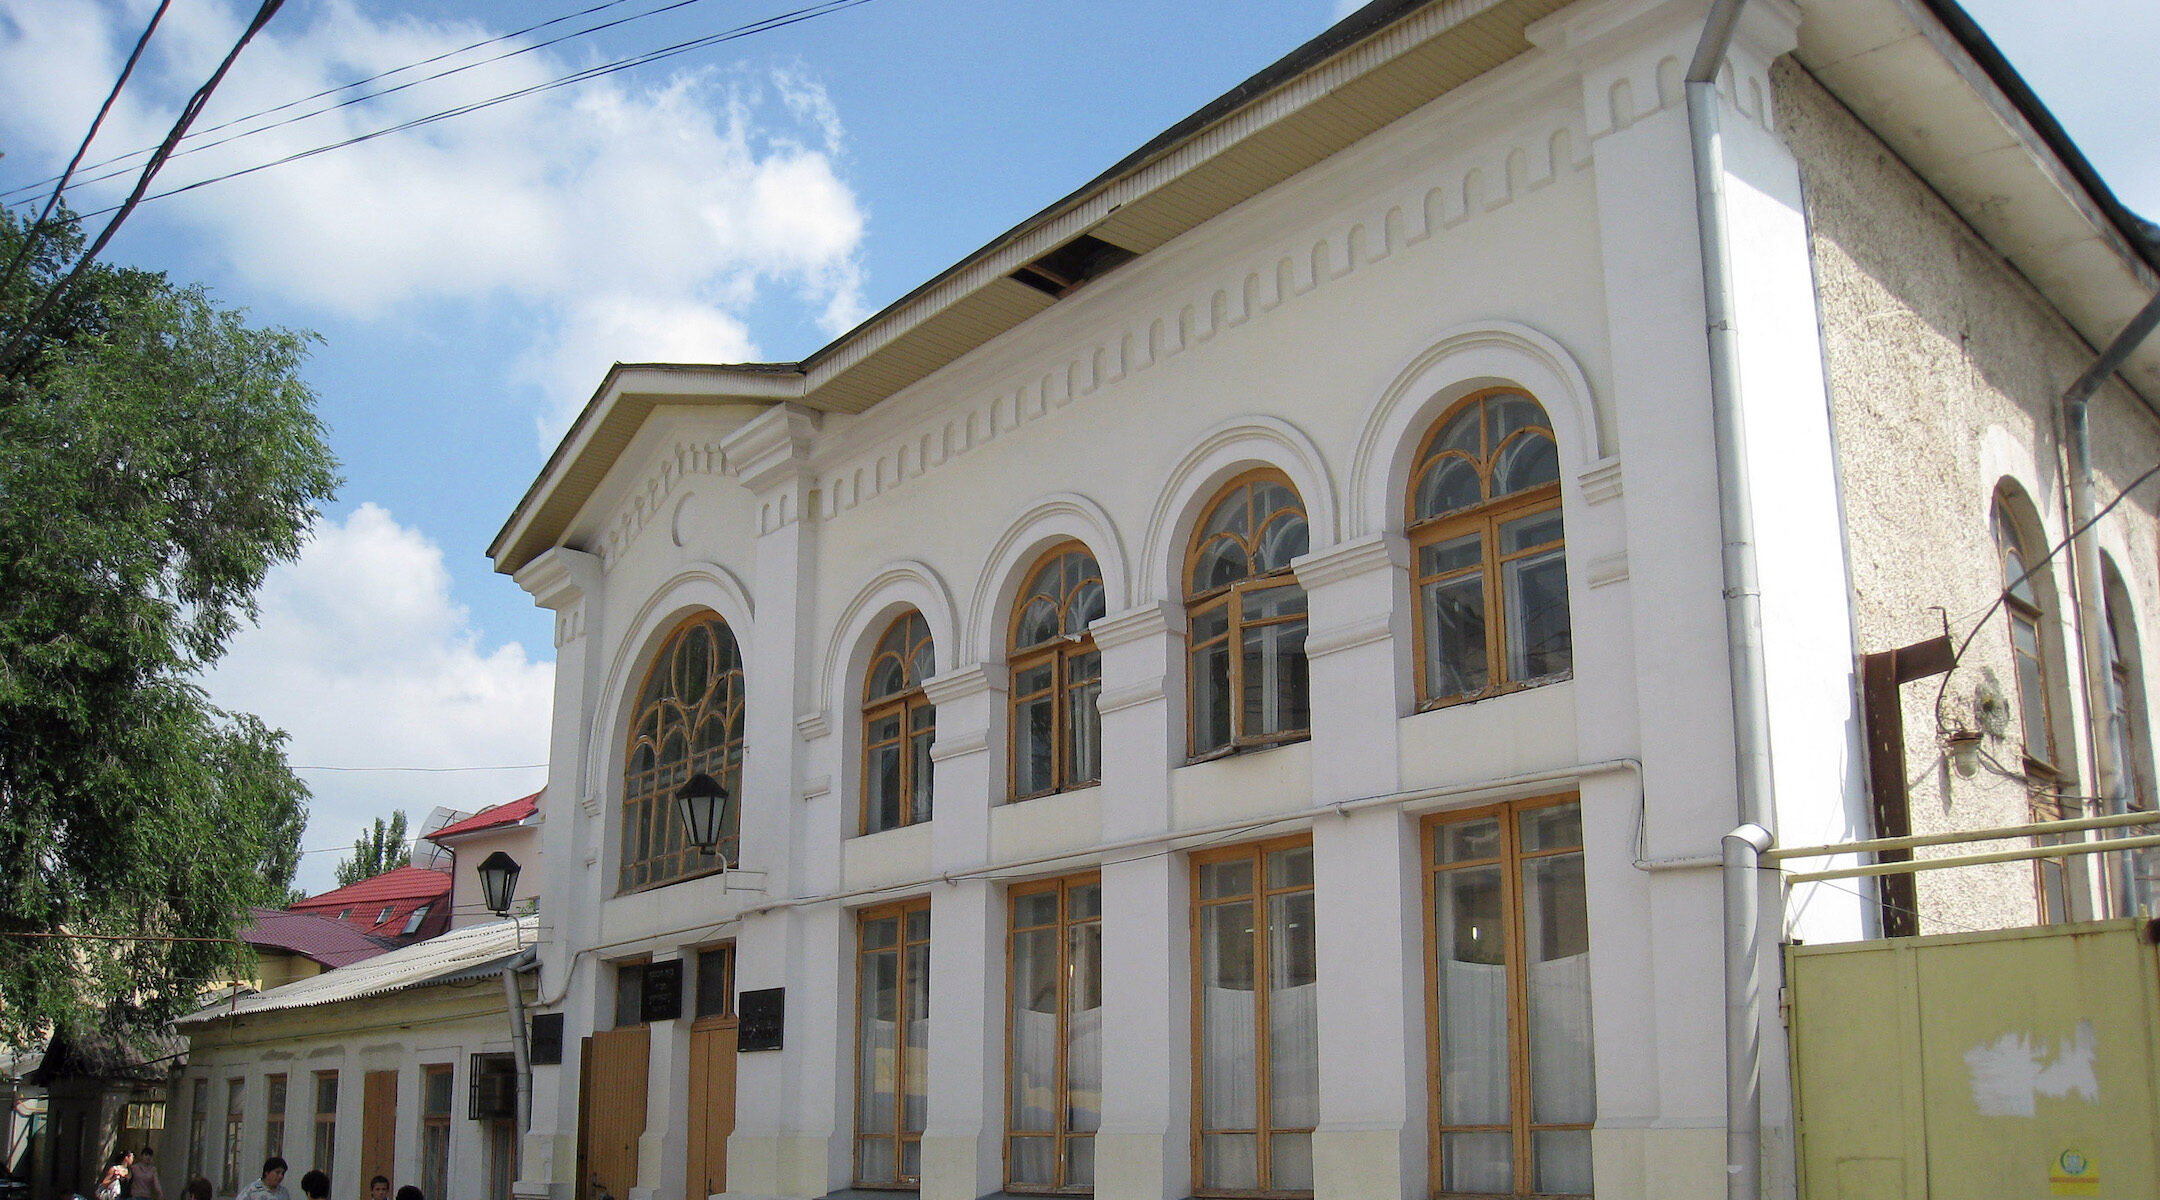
1743	623
2085	563
520	1050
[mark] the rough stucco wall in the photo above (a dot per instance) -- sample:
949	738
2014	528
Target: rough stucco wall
1944	368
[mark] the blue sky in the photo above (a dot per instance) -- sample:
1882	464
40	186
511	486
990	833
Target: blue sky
473	278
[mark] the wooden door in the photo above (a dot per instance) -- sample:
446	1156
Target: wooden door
378	1125
712	1105
613	1111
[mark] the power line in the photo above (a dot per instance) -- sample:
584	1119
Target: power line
491	767
9	361
411	83
811	12
37	227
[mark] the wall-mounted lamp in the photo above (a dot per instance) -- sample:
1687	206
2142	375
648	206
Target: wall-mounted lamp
498	882
1964	747
703	805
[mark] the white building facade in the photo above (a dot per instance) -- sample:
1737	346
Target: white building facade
1226	690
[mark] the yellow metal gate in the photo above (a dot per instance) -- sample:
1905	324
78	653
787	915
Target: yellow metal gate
2017	1064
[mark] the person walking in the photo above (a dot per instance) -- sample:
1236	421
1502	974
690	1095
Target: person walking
315	1186
272	1184
113	1183
143	1181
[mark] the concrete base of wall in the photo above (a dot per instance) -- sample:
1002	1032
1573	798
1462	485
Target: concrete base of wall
1664	1164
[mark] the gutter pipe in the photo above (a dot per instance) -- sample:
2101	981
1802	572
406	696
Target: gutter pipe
520	1049
2085	564
1754	787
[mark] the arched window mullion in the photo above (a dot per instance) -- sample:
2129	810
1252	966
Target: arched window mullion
1054	730
1256	619
899	723
663	751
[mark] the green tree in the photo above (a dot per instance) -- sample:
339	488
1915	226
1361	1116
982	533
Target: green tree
157	456
381	849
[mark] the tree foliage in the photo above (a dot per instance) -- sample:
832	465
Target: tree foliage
157	456
381	849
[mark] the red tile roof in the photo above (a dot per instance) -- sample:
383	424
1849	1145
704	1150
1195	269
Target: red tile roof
384	904
499	817
326	940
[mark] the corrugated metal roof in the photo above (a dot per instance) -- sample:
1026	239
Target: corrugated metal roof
508	813
474	952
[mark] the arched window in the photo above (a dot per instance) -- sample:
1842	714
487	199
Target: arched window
2140	886
1490	558
1056	675
899	723
1245	618
2025	603
689	720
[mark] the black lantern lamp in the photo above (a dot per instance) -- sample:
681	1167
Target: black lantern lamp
703	805
498	882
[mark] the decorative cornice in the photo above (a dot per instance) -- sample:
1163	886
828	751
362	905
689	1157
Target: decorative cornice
959	684
1132	695
1608	568
1351	559
1146	621
811	726
772	449
559	576
1600	481
1364	632
958	745
643	504
1455	192
590	802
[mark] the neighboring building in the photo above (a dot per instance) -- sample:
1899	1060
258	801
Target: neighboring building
514	829
98	1095
297	945
406	905
398	1065
1293	563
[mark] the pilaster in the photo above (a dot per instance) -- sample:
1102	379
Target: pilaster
968	775
1142	706
962	1147
1356	647
1143	1149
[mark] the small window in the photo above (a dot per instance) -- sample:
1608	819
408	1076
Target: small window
412	923
716	982
629	994
899	724
1489	556
1245	619
892	1043
1057	675
326	1099
437	1086
384	915
1053	1073
344	913
274	1125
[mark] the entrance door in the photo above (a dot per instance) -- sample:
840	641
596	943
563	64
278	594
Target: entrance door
712	1105
712	1072
378	1125
612	1110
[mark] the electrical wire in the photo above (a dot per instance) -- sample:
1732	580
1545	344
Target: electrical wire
37	227
10	362
492	767
411	83
765	25
331	91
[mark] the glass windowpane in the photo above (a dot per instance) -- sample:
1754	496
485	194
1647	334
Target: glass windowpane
1472	1003
1477	1162
1560	1160
1556	949
1455	661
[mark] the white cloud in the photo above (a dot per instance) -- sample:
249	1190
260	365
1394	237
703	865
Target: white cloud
696	191
362	656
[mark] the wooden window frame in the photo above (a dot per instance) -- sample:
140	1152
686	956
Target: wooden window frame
1060	653
198	1127
435	1175
1484	519
235	1112
726	1015
912	706
902	1016
1263	1067
1230	597
277	1094
648	804
1510	859
2034	617
325	1126
1065	923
